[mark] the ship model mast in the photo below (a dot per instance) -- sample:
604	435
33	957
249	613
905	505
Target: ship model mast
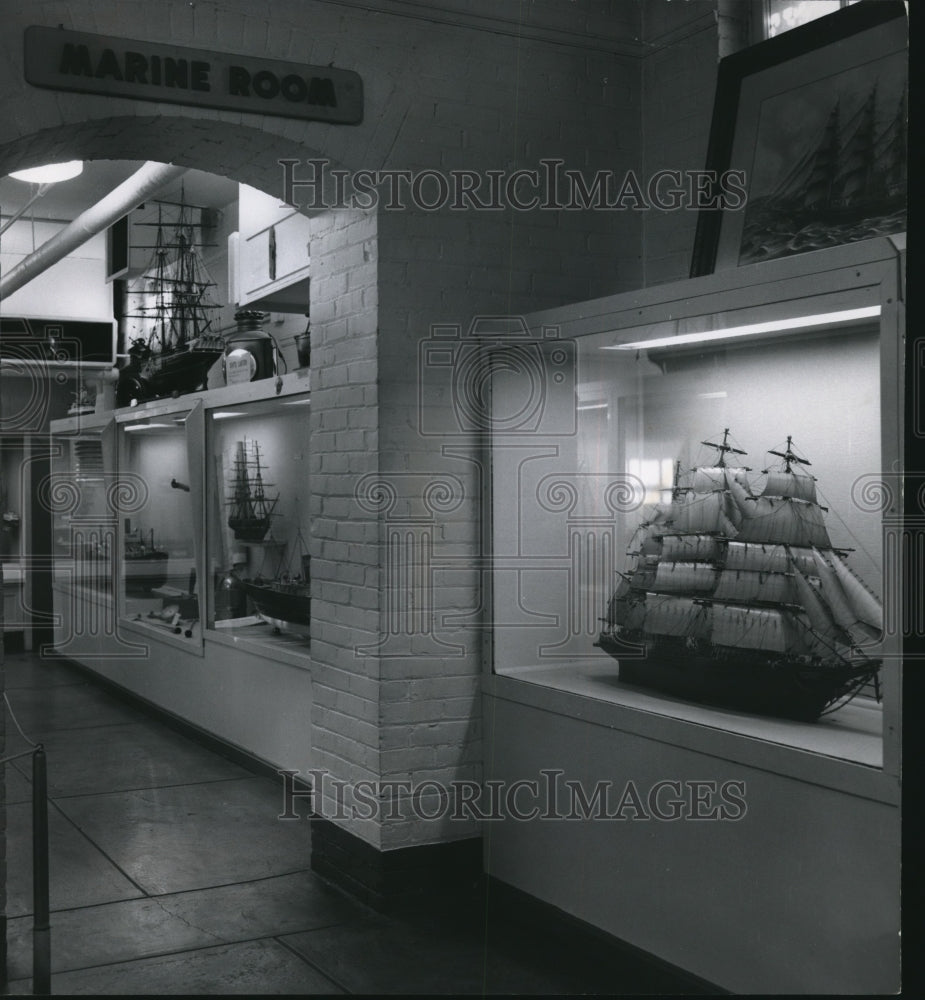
739	599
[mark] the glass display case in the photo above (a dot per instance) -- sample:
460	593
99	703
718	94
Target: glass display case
258	495
158	501
79	494
689	508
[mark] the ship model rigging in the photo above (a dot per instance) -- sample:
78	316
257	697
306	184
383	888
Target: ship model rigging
181	345
739	599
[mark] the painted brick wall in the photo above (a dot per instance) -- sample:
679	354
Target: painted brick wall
343	424
523	102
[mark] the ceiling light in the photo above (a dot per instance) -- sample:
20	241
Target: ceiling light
752	329
50	173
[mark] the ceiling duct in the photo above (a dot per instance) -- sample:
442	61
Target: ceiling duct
144	183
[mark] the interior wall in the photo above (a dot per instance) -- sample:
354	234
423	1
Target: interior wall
678	85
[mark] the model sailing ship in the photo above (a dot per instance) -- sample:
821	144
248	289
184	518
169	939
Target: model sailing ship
181	345
739	599
251	509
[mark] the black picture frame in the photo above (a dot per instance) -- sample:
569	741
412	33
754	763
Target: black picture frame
806	64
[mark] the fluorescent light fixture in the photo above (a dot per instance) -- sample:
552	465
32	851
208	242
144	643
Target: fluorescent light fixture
751	330
296	402
148	427
225	414
592	406
50	173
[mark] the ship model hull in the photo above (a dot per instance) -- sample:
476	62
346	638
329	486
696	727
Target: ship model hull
249	529
169	374
146	572
286	605
759	684
737	598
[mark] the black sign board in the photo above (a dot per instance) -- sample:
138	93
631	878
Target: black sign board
57	341
146	71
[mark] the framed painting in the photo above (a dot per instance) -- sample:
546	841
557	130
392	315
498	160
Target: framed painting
814	124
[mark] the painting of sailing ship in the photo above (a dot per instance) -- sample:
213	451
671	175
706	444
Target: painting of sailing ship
177	307
735	596
830	165
251	507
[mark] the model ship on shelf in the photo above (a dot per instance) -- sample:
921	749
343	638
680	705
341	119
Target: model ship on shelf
285	600
181	345
739	599
251	509
145	564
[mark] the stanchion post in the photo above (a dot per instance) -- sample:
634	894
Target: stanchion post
41	933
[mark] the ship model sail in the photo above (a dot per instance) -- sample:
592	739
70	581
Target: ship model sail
251	508
739	599
180	346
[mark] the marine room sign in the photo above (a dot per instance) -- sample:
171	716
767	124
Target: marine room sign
144	71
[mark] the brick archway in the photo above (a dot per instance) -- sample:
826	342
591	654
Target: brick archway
240	152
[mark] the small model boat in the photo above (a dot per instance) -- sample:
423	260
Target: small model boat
739	599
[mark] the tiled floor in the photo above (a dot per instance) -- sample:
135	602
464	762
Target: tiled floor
170	874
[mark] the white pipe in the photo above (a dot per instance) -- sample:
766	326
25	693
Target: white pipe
141	185
39	193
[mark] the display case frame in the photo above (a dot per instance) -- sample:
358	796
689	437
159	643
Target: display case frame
259	555
162	605
850	277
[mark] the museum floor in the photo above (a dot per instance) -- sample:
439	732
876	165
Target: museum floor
170	873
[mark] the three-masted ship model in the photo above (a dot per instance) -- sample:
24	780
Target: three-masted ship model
251	508
176	309
739	599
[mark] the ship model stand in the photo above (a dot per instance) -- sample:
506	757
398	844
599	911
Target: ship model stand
739	599
181	346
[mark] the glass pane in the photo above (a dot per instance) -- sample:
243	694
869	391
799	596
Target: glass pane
259	525
158	525
786	14
78	494
697	502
